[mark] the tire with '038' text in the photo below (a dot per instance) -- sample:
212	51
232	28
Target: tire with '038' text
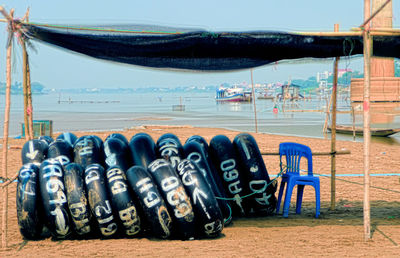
175	196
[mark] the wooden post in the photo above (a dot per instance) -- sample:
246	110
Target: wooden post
4	190
366	117
333	129
254	100
25	88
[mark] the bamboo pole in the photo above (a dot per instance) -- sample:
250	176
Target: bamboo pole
29	91
5	134
328	107
333	129
254	100
366	117
317	153
25	88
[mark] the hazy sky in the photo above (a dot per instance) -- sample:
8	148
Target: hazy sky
56	68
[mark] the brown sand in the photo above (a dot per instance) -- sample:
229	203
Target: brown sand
335	233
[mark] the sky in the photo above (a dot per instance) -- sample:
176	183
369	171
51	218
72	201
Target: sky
55	68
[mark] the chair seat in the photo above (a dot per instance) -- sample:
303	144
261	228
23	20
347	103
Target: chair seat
293	153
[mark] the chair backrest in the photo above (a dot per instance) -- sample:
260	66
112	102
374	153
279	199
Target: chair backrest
294	152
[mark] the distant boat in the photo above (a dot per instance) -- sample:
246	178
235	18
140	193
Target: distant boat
381	132
233	95
266	94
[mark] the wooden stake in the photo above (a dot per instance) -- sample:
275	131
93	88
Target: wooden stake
254	100
367	134
333	129
5	140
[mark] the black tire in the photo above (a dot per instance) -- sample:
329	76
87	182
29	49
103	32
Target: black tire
153	208
46	139
77	198
224	158
118	136
28	199
208	215
170	148
142	149
121	200
175	196
34	151
62	151
51	178
68	137
87	151
199	139
117	153
263	200
195	152
99	202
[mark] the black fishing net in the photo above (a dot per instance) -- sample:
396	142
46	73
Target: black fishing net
163	47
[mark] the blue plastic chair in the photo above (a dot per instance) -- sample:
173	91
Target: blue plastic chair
294	152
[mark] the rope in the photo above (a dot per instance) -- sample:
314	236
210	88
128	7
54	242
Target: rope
356	183
255	192
102	29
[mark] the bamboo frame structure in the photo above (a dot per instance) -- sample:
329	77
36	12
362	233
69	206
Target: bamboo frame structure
365	31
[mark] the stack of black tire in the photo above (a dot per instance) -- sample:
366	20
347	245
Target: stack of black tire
83	187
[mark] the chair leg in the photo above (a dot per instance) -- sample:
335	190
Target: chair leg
278	204
288	197
300	190
317	199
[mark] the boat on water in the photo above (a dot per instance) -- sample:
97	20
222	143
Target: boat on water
233	95
266	94
381	132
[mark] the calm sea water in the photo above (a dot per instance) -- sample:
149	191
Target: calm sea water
201	110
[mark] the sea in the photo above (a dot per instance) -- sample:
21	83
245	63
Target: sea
98	112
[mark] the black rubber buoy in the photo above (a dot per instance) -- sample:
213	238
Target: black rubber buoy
77	198
87	151
99	202
28	202
51	178
194	151
175	196
34	151
142	149
122	201
224	158
118	136
117	153
153	208
255	174
68	137
170	148
208	215
62	151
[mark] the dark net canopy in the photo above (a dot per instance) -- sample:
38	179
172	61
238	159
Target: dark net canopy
162	47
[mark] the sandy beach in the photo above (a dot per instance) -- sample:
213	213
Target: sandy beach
337	232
